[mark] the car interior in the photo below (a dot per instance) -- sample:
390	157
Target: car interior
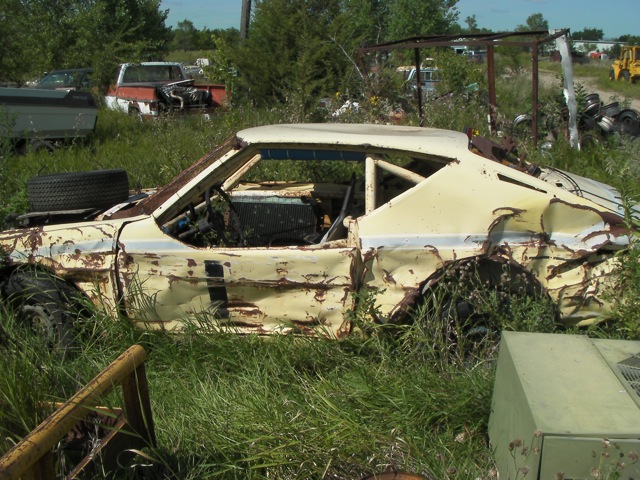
295	197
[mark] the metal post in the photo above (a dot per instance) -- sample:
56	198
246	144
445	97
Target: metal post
492	87
245	19
416	55
534	96
137	406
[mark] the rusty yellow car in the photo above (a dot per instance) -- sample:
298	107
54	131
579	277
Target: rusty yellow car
381	209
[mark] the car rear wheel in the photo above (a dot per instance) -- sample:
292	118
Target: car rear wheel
472	302
47	305
98	189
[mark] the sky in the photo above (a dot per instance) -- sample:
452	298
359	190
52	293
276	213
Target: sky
496	15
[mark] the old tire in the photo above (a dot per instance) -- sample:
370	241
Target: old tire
97	189
629	122
46	304
624	75
612	74
474	301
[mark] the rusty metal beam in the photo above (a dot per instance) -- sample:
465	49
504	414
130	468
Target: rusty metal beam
31	457
534	94
491	72
479	39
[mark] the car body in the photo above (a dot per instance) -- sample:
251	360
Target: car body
392	208
430	76
70	79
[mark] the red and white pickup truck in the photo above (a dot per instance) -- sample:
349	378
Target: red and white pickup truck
150	89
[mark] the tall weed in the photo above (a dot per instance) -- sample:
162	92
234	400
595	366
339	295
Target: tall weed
623	164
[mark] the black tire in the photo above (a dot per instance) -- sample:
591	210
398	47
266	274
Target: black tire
612	74
135	113
46	304
624	75
629	122
98	189
473	301
41	145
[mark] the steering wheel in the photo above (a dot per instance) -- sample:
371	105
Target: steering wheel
215	218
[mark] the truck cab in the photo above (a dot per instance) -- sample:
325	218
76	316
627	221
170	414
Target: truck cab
150	89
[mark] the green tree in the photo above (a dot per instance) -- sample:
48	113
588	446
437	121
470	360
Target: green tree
185	37
360	22
629	39
535	22
594	34
411	18
15	46
289	55
298	51
472	23
230	36
81	33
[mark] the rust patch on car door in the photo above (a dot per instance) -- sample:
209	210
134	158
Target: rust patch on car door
264	290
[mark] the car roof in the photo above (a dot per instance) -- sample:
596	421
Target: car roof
69	70
429	141
151	63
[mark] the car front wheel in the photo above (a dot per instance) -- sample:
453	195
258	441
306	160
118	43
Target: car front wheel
46	304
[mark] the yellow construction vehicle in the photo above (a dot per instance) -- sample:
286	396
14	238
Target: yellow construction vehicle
627	67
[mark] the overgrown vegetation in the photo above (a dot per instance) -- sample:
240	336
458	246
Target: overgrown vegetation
414	397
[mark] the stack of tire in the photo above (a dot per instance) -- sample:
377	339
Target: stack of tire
608	119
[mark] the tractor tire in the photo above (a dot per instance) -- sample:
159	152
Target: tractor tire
98	189
624	75
612	74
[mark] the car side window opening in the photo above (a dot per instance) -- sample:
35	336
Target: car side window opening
284	197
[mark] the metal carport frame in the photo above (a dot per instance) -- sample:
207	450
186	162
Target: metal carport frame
532	39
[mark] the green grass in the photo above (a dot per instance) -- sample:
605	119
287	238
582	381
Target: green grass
228	406
245	407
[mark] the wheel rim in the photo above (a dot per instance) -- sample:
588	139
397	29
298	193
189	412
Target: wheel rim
40	319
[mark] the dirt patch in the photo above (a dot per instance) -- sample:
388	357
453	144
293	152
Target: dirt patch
549	79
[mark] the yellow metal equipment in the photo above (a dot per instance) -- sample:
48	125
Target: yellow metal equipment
627	67
33	457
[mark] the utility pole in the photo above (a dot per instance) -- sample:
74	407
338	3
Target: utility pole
246	17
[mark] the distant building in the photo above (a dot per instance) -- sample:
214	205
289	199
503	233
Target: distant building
583	45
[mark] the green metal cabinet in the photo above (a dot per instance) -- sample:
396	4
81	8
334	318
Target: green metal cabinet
566	407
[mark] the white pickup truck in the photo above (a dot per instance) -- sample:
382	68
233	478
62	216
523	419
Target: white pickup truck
150	89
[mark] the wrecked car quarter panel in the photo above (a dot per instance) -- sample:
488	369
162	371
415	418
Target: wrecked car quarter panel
556	236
